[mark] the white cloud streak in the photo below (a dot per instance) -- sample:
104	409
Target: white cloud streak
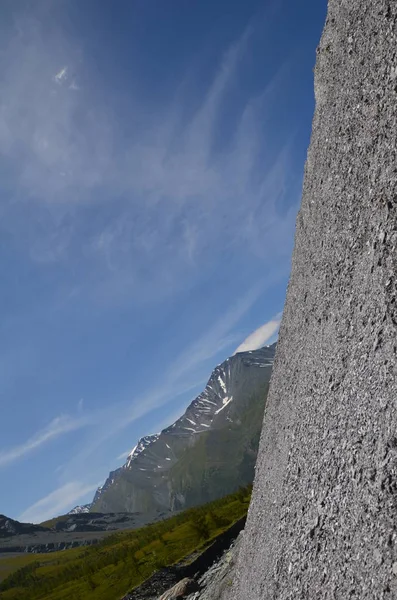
260	336
58	427
123	455
57	502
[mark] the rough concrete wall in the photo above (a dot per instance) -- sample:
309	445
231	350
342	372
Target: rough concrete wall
323	520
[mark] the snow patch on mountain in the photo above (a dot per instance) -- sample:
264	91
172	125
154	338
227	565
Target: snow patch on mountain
142	444
80	509
225	402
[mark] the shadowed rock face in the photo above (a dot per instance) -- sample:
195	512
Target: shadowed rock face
323	519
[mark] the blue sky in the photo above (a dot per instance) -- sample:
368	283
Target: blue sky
152	156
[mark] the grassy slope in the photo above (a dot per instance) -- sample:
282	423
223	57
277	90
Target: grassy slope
10	564
123	560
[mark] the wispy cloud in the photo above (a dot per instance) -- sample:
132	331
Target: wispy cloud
123	455
57	502
218	337
58	427
182	197
260	336
61	75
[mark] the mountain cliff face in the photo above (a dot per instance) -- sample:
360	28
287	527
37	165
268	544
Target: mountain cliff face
142	444
207	453
322	523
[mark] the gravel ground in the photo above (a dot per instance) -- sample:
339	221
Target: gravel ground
323	520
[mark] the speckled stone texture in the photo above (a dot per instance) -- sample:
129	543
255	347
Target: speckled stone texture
323	520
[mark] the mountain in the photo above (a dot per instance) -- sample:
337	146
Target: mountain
207	453
137	449
10	527
142	444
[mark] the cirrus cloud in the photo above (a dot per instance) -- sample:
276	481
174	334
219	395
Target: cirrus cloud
58	427
134	214
57	502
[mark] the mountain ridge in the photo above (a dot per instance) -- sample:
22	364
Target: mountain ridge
158	456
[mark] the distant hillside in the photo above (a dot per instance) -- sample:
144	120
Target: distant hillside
10	527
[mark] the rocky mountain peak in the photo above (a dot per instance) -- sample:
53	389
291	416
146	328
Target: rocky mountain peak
157	477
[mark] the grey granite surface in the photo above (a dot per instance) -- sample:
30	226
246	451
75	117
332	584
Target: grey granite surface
323	520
